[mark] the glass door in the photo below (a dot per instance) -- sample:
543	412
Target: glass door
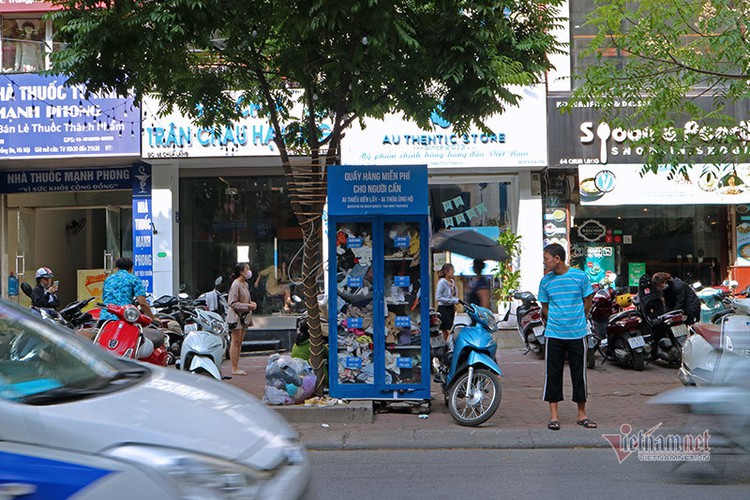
401	278
112	249
24	254
354	303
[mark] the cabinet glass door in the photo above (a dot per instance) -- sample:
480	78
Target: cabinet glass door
401	285
354	283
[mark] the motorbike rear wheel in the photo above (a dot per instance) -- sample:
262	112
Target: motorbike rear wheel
637	360
591	358
482	400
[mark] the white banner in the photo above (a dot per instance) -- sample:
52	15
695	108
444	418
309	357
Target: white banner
517	138
623	185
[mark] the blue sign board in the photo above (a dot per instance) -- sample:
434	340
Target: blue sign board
403	321
143	229
401	280
77	180
41	117
353	362
354	281
354	242
354	322
403	362
377	190
401	241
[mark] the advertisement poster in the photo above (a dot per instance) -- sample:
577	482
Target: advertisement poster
599	260
635	271
371	189
90	283
743	244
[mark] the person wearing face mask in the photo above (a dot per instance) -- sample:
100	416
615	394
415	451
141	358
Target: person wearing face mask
676	294
239	315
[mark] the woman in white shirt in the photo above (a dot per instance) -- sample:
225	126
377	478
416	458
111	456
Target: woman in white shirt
446	297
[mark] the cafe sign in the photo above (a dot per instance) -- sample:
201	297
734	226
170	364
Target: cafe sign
591	230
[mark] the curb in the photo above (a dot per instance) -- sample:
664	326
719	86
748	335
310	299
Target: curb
351	412
464	438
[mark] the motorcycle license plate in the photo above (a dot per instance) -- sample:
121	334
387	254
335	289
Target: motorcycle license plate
538	331
190	327
438	341
680	330
636	342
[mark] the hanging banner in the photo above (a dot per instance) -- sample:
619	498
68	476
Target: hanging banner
615	185
143	228
41	117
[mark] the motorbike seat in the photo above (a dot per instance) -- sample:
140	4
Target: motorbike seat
155	336
623	315
712	333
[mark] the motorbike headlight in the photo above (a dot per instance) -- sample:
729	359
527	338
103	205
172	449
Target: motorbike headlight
131	314
195	475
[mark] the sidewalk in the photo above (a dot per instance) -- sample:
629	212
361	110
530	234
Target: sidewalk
616	396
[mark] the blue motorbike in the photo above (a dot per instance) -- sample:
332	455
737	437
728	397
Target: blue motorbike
469	373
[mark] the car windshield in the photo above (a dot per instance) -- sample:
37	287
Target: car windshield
41	363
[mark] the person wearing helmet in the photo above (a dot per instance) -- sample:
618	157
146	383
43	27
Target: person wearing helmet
45	292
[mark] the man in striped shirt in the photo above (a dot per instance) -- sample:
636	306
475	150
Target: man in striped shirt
565	295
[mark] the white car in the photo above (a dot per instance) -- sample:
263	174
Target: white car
78	422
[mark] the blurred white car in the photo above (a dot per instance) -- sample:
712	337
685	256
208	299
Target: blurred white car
77	422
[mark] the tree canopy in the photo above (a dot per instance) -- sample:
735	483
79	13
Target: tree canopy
347	60
684	65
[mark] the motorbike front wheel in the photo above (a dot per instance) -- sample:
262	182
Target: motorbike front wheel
474	402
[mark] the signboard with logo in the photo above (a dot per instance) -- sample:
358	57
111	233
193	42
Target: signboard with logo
143	229
616	185
582	137
397	190
172	135
591	230
90	283
600	260
40	117
58	180
514	139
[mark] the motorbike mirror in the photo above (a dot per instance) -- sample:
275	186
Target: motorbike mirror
697	285
296	299
183	295
733	284
725	283
218	281
183	287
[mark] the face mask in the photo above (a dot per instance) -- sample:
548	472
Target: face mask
248	274
666	285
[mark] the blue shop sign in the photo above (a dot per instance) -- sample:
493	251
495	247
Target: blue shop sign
377	190
403	321
143	228
401	281
41	117
77	180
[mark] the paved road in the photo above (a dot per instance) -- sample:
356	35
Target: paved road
571	473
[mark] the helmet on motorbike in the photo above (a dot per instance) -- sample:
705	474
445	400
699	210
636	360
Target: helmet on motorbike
44	272
624	300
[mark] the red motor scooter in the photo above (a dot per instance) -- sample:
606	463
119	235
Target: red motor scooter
130	337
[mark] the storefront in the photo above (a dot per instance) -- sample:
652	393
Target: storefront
224	200
69	179
612	216
487	180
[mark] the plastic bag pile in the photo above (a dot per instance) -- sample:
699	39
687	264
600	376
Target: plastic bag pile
288	380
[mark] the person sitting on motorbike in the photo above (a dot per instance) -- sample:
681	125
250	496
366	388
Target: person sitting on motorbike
677	294
45	292
122	288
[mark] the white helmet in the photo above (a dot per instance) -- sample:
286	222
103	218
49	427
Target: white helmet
44	272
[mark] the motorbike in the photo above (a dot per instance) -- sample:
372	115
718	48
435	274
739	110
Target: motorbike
667	337
614	333
529	322
70	316
129	336
469	373
205	343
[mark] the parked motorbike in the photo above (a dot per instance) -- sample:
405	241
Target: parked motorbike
129	336
215	300
70	316
206	340
529	322
469	373
614	333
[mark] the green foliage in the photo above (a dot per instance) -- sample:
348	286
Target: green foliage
675	51
507	272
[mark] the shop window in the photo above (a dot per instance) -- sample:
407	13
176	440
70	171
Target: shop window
23	45
250	218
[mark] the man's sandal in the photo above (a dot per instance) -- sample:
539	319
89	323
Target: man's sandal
553	425
587	423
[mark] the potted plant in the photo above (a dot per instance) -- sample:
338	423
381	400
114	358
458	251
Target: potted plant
509	274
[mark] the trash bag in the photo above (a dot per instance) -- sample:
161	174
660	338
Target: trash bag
288	380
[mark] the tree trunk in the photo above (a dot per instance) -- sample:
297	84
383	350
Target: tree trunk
311	266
